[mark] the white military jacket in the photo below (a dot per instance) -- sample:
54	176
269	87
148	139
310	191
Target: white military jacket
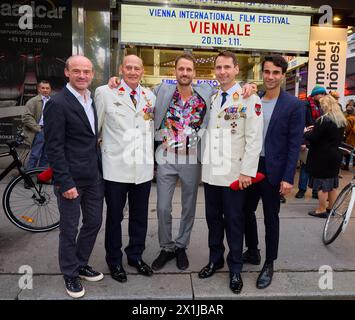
127	134
234	138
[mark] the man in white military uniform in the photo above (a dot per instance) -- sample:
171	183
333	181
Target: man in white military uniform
232	147
126	122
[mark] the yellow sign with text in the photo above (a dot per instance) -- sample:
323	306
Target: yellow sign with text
209	28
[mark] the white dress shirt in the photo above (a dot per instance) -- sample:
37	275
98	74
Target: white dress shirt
44	100
86	102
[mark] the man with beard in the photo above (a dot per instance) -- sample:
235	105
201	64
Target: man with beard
181	111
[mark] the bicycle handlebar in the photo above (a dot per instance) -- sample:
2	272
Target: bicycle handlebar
18	141
347	148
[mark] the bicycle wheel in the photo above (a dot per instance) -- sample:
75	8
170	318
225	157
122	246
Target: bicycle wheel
29	210
335	220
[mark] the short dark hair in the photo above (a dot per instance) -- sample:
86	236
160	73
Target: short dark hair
227	54
43	82
277	60
187	56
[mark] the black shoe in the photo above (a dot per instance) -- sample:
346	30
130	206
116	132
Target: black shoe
265	276
236	283
141	267
90	274
323	215
300	194
252	257
118	273
181	259
282	199
208	270
74	287
163	258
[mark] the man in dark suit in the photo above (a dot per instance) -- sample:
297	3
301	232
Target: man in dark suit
283	133
73	153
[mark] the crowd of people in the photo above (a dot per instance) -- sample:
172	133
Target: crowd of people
105	147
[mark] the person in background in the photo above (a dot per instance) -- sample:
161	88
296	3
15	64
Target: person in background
313	112
324	156
32	121
336	96
349	134
254	87
349	108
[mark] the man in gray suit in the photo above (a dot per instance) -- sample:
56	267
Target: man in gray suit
181	111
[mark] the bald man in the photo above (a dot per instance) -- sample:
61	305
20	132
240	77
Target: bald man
71	135
126	124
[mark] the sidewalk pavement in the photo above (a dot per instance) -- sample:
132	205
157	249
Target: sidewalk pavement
301	254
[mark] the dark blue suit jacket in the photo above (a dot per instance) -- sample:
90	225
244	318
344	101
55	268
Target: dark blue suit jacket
283	138
71	146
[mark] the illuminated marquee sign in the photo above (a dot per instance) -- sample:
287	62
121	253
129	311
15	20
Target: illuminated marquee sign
210	28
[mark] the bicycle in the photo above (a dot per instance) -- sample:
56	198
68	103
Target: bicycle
28	203
339	215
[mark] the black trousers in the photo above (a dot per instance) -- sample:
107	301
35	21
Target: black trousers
224	213
116	197
270	196
75	249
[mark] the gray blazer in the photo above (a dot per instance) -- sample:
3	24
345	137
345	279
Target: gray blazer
31	117
164	93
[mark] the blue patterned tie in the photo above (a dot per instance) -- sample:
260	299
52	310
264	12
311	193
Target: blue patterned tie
224	98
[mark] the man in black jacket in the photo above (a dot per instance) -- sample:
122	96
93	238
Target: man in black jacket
73	153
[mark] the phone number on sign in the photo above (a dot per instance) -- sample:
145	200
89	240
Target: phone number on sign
28	40
219	41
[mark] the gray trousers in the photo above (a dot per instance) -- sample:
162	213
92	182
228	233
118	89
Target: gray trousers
167	177
75	249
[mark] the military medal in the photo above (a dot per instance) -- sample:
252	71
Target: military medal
121	91
227	116
146	116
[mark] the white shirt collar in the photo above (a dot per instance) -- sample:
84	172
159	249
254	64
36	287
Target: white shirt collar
128	89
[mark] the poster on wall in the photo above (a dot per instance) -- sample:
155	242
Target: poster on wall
327	59
36	39
214	28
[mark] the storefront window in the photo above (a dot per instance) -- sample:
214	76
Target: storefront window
159	64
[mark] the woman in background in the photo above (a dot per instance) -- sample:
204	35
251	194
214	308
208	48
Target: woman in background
324	156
